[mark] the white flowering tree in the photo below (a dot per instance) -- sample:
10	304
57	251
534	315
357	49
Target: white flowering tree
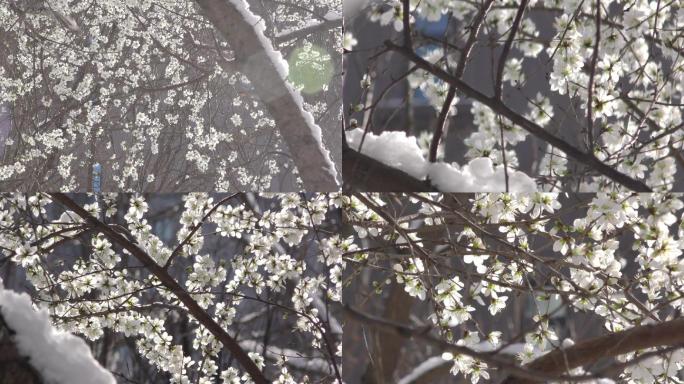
515	288
580	95
169	95
185	289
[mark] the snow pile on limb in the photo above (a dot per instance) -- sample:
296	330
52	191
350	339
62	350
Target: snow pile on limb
60	357
392	148
402	152
266	69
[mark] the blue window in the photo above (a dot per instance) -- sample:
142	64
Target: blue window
435	29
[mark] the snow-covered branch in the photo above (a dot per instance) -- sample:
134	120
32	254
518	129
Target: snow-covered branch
58	356
402	152
267	71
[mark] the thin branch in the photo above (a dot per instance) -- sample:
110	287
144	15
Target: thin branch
441	125
254	58
592	73
194	229
406	18
498	88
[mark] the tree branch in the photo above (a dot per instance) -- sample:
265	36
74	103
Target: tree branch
441	124
363	173
669	333
499	107
460	69
498	88
592	73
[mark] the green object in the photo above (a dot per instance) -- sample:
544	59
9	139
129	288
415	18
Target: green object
310	68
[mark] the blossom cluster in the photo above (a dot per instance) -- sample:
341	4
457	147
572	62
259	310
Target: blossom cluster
147	89
611	82
614	258
242	258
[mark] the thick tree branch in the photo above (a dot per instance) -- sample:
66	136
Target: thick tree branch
363	173
669	333
406	20
253	57
171	284
424	334
499	107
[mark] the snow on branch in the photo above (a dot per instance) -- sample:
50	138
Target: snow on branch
402	152
59	356
423	369
267	71
433	365
333	22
